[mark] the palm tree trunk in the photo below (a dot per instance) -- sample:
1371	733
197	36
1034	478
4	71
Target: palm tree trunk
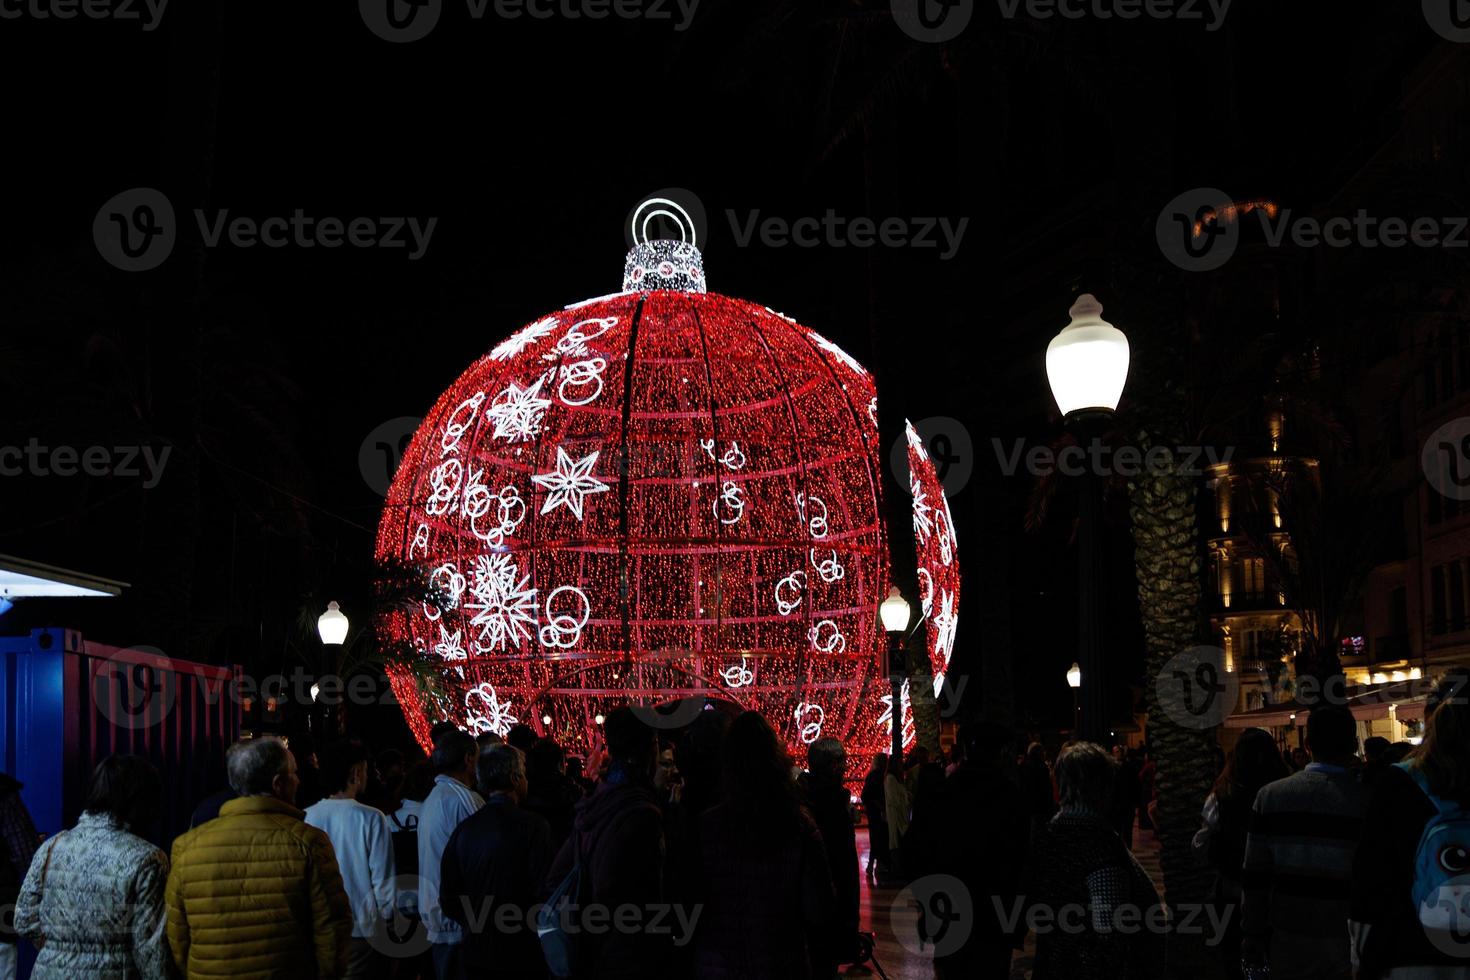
1166	559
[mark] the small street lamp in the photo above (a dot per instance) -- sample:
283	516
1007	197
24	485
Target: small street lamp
1087	366
894	612
1074	681
332	625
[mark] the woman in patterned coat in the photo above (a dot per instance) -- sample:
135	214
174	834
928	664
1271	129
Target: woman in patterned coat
92	902
1096	912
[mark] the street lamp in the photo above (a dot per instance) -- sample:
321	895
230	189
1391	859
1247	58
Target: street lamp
1087	366
332	625
1074	681
894	612
1087	363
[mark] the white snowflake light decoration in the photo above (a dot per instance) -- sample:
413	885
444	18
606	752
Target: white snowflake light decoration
517	412
503	603
484	712
523	339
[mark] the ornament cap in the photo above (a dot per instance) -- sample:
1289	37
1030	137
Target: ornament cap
663	264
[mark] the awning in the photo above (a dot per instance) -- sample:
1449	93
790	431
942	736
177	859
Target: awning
1368	702
22	579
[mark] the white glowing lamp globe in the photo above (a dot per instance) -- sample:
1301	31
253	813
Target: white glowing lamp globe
1074	676
894	611
1087	363
332	625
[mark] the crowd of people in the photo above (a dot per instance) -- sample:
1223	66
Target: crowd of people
712	854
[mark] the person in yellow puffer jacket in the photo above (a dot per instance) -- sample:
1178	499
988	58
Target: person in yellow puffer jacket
256	891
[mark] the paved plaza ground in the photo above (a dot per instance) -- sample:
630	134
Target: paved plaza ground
900	963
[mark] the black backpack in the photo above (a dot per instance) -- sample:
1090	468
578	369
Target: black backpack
558	944
405	844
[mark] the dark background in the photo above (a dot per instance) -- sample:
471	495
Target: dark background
266	369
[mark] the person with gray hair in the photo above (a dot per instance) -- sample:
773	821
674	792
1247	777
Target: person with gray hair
1086	878
284	912
496	858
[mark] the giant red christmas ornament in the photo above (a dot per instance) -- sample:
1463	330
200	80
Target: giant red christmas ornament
660	494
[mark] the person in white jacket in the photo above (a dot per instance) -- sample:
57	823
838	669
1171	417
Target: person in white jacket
448	803
363	841
92	901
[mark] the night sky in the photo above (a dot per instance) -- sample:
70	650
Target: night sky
529	141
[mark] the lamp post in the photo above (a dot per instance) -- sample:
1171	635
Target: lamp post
894	612
1087	366
1074	681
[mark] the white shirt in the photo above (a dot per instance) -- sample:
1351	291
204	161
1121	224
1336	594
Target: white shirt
447	804
363	841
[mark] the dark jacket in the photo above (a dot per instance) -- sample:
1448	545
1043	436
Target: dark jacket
1069	852
830	808
19	838
208	807
1037	791
619	831
1227	840
873	796
1124	803
982	805
766	898
1383	877
554	797
498	856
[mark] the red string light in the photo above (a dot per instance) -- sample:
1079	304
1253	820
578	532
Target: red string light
654	496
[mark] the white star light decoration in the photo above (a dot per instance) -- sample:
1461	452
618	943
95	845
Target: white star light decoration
450	645
517	412
569	483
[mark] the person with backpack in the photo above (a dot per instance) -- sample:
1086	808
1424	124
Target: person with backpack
92	902
18	833
1304	830
493	869
403	821
1411	876
362	841
614	857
